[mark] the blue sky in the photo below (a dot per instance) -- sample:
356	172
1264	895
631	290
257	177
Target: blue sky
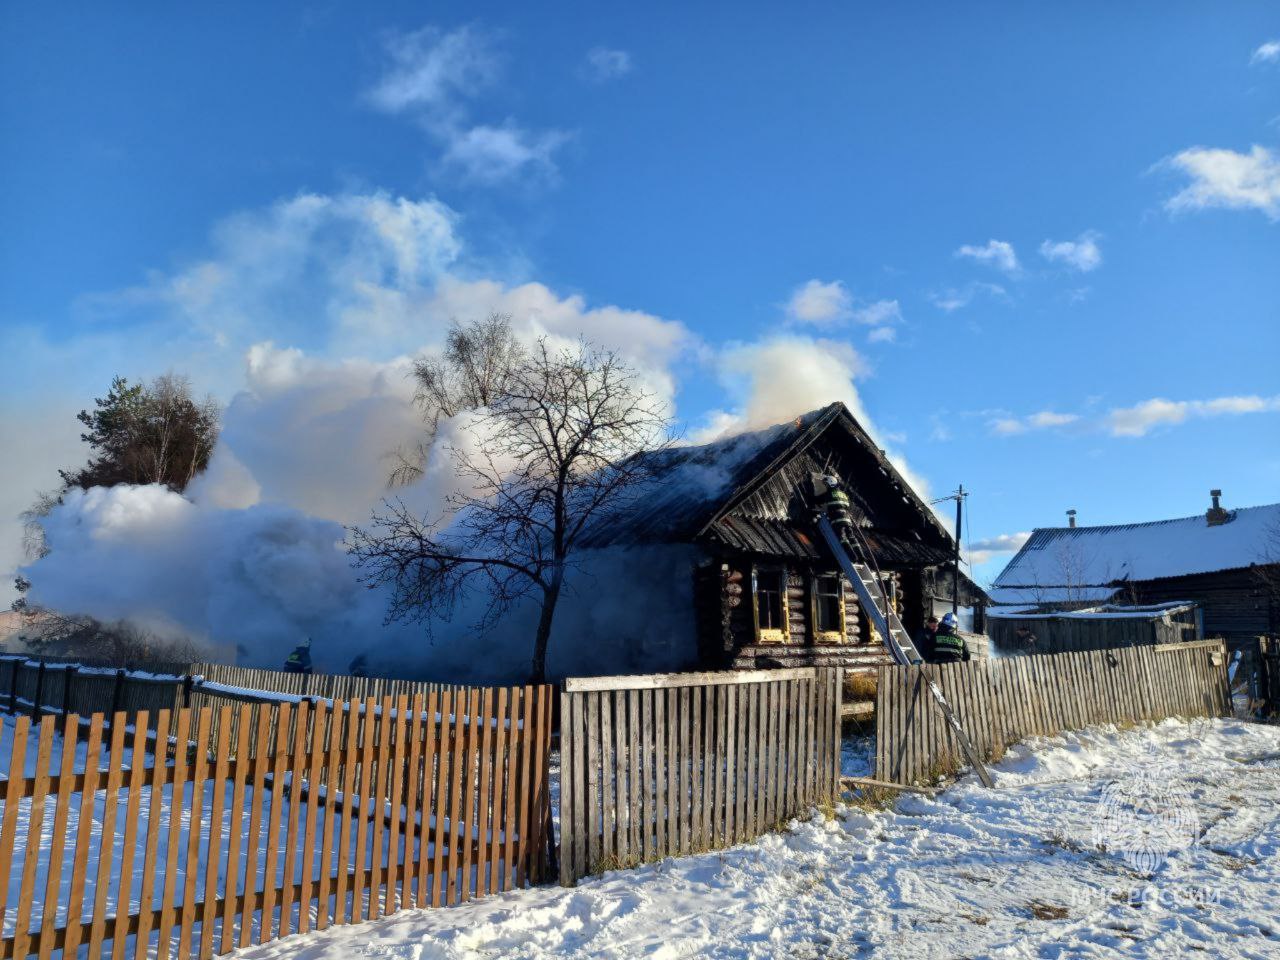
1039	244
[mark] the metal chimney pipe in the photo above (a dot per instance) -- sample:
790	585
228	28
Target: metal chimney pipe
1217	497
1071	518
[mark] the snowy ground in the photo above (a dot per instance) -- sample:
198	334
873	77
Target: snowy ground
1013	872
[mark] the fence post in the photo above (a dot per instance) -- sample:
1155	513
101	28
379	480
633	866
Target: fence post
187	683
35	699
13	686
68	675
116	690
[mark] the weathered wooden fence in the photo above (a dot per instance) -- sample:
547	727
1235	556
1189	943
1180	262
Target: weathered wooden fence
653	766
1003	700
327	685
223	841
67	686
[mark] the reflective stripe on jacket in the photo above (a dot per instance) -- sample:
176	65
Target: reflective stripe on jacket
949	646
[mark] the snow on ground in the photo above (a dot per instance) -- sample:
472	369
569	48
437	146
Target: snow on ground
1011	872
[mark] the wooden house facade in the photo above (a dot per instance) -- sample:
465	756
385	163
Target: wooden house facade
766	592
1225	561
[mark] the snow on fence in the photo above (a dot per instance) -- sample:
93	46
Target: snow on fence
655	766
1001	701
327	685
71	686
298	817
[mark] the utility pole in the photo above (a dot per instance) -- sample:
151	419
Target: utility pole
958	497
955	582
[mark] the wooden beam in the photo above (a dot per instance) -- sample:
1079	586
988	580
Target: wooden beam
855	782
666	681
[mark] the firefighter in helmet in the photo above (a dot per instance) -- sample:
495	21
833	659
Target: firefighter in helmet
837	507
299	661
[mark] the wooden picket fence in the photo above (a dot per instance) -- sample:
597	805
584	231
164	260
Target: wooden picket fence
258	821
1001	701
670	764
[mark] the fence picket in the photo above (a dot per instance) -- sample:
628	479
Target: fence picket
84	839
199	778
1001	702
156	784
57	839
177	802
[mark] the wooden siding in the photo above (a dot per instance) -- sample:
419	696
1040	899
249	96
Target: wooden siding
1066	634
1236	604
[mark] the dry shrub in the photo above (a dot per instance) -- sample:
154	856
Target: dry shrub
860	686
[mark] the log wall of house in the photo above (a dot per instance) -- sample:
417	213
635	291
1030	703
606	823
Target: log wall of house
727	623
1236	604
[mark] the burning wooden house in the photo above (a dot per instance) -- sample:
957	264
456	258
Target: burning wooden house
766	592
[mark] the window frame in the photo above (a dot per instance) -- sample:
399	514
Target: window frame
840	635
770	634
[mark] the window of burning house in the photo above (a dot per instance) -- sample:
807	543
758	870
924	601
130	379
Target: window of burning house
828	608
771	604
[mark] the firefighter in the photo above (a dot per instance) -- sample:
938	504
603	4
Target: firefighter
300	660
837	507
924	639
948	645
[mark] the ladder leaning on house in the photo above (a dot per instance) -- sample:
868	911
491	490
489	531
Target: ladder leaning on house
882	616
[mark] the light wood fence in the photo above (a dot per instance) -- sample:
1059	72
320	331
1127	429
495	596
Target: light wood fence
656	766
1001	701
113	844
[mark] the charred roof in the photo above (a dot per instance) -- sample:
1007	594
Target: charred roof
751	492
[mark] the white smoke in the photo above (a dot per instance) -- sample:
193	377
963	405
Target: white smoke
779	379
351	287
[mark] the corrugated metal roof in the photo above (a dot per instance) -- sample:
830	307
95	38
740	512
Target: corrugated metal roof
1078	557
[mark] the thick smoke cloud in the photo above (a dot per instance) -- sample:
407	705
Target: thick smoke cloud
307	315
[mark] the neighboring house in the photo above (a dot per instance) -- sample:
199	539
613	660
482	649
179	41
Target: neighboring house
765	591
1226	561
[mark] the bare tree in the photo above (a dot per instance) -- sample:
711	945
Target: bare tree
558	450
471	372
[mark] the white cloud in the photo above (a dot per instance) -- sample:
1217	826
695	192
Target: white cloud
954	298
1044	420
435	76
819	303
882	335
1225	178
492	154
980	551
879	314
1268	52
997	253
1081	254
434	70
605	64
1142	418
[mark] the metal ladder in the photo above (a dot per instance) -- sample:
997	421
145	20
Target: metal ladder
895	636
